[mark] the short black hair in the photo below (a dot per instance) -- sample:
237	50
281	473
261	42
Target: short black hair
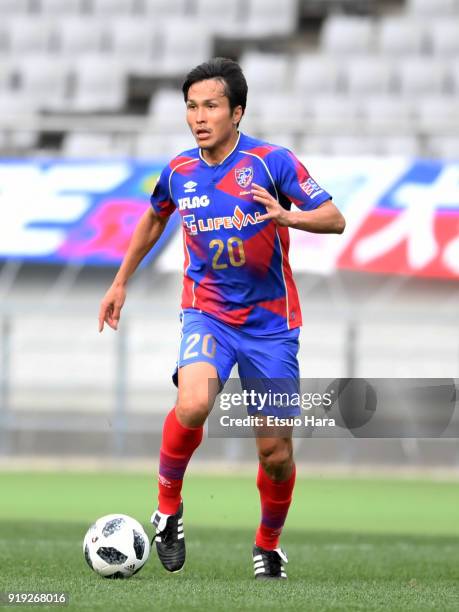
225	70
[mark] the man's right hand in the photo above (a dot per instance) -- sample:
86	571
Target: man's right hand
110	307
146	233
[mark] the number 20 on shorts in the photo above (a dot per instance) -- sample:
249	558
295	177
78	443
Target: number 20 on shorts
196	345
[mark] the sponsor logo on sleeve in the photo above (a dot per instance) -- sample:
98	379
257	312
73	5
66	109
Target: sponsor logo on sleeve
311	188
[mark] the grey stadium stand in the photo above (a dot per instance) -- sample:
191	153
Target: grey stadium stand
391	70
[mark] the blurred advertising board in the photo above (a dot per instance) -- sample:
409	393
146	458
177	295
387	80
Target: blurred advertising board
68	211
402	214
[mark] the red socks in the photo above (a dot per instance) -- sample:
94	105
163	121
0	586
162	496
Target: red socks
178	444
275	500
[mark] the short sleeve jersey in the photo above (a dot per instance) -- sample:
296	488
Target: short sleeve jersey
236	267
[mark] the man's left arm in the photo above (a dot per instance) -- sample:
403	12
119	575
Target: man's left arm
293	184
325	219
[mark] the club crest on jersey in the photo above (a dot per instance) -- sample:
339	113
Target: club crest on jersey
244	176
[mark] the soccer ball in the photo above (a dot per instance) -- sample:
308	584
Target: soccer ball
116	546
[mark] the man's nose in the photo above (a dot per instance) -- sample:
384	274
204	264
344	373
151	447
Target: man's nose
201	115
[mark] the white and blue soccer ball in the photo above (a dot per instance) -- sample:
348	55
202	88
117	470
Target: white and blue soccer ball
116	546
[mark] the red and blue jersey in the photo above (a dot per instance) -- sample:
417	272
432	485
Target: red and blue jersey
236	267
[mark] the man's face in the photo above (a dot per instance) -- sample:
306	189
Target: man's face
209	115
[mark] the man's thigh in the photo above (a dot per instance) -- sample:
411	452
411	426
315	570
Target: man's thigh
268	366
203	340
204	364
198	386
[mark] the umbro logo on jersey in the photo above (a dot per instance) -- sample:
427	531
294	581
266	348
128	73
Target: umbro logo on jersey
190	187
194	202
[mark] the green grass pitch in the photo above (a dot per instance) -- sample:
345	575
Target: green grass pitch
353	544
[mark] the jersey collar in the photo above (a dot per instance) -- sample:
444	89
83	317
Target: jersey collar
225	158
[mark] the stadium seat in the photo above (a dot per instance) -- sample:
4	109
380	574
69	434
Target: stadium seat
314	145
100	85
400	35
438	113
313	73
167	109
369	75
281	139
444	147
330	112
161	8
280	110
45	81
87	145
22	141
354	145
382	111
267	72
147	146
184	43
7	73
343	34
221	17
29	35
163	145
13	104
266	18
15	7
133	41
420	75
444	36
4	145
251	120
59	7
4	37
258	19
111	7
453	76
398	145
429	8
75	36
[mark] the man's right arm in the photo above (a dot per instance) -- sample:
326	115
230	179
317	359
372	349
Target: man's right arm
147	232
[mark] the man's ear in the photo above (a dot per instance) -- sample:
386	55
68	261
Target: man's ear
237	114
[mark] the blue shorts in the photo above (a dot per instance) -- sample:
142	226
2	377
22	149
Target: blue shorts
265	363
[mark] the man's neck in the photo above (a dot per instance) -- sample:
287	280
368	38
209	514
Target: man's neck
215	156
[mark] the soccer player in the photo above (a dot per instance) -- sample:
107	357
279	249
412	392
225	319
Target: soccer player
240	305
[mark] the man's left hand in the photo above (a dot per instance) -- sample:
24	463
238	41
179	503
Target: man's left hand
274	210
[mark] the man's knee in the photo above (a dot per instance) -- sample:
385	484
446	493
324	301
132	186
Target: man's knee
192	409
276	457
